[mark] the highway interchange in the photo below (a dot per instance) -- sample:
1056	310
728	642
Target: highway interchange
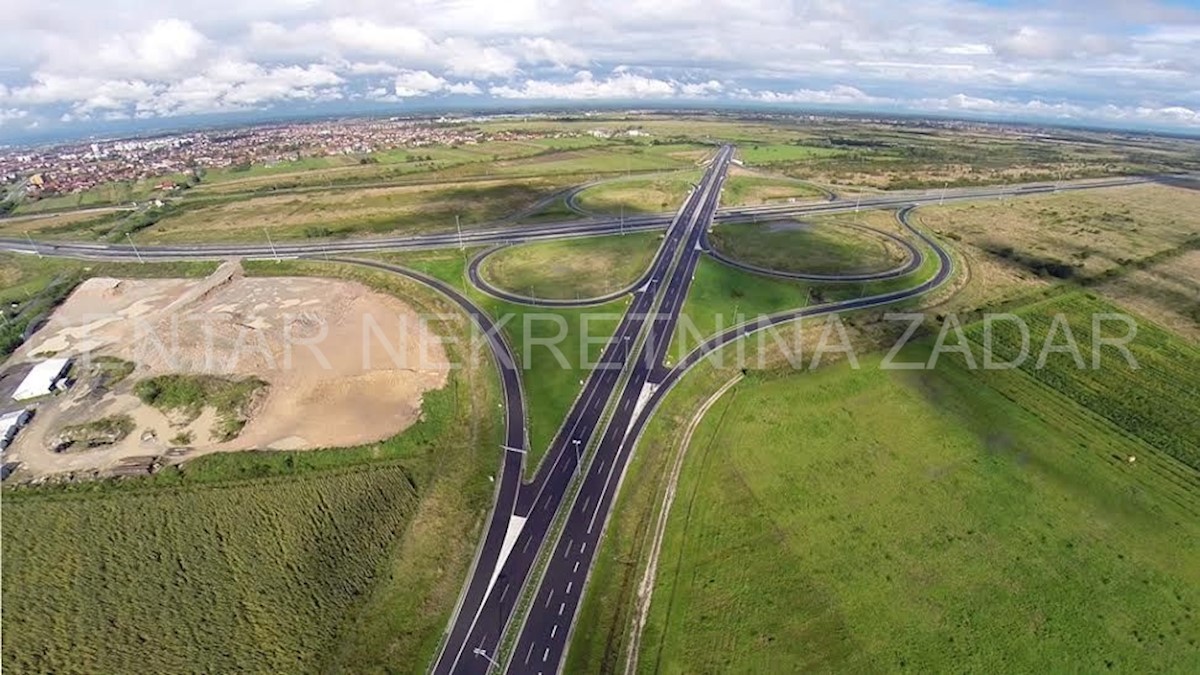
542	536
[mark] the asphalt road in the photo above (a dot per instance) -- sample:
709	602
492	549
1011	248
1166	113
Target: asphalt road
524	233
617	400
538	502
546	632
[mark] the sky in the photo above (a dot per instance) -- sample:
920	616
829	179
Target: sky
80	64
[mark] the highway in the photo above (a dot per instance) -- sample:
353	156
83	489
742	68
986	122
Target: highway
617	399
503	234
538	502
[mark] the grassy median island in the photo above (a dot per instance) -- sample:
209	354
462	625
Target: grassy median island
572	268
654	194
822	245
859	519
343	559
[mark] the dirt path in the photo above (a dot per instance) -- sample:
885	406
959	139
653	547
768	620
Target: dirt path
646	587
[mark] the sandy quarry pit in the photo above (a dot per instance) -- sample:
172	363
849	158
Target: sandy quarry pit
345	365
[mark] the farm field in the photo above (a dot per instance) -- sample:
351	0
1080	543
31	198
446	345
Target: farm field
820	245
813	531
333	591
572	268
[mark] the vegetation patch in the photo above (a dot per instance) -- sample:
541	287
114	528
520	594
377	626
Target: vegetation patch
104	431
188	395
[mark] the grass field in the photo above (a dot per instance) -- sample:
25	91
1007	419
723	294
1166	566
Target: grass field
408	209
1077	235
343	560
865	520
819	245
572	268
1167	291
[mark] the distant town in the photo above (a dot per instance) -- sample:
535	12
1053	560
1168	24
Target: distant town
34	173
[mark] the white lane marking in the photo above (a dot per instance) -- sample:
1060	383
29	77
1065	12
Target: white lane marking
553	631
561	607
546	505
515	525
548	596
576	567
602	465
583	547
568	551
529	653
504	592
527	542
545	654
586	502
569	584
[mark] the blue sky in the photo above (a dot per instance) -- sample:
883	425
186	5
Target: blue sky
79	64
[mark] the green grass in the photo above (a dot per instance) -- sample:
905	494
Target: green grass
572	268
345	559
111	369
818	246
1156	403
656	194
103	431
253	576
551	374
766	154
743	190
188	395
861	520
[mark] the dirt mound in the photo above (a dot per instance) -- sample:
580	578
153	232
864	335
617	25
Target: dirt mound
345	365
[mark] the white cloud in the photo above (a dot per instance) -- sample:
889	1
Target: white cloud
619	86
11	114
1111	60
414	83
544	50
840	94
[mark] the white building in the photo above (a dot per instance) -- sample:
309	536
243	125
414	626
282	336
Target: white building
10	424
43	379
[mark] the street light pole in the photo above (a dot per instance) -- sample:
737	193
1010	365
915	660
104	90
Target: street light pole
271	244
480	651
458	226
578	453
135	248
35	248
942	199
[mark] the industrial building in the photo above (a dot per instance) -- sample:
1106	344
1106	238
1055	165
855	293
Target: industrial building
44	378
